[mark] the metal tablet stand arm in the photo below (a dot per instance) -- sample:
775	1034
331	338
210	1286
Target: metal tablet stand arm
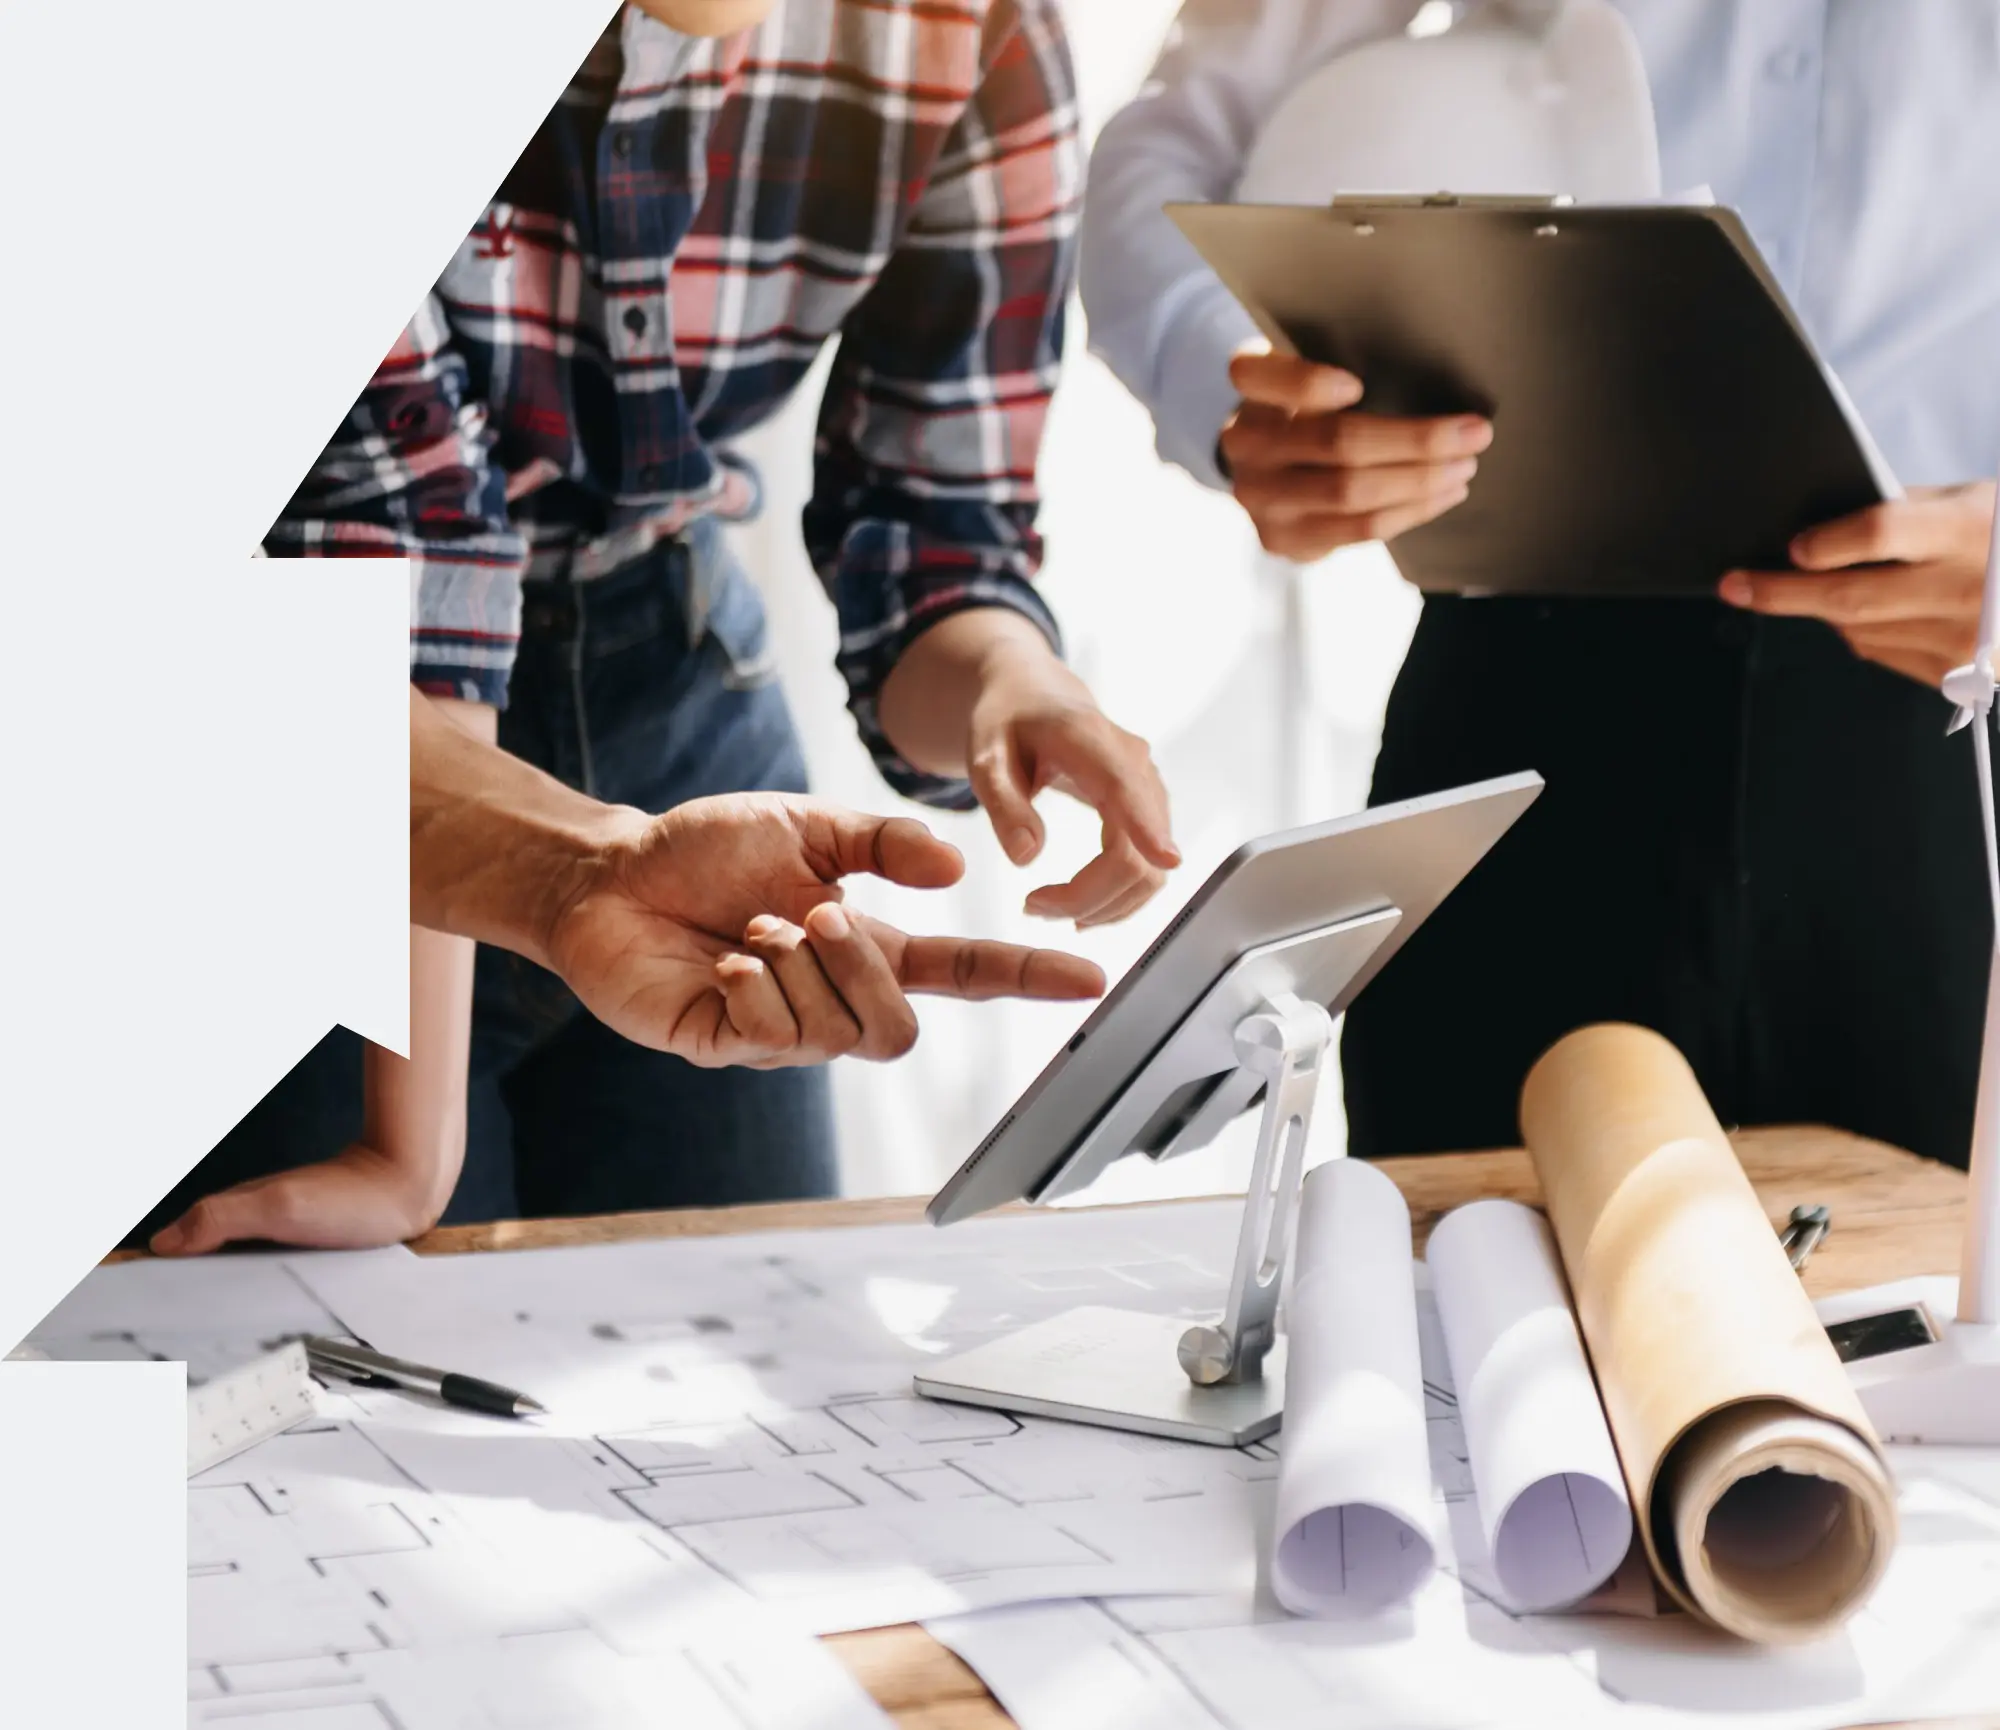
1285	1045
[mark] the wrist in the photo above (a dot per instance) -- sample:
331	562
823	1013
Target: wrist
498	849
558	863
926	704
539	862
584	857
1004	641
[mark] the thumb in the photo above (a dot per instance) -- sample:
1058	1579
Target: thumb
846	843
1000	784
1293	384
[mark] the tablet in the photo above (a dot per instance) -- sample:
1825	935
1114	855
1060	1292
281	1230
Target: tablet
1084	1111
1659	415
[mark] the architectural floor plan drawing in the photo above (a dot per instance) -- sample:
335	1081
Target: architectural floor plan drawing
1927	1646
331	1588
751	1400
327	1587
733	1461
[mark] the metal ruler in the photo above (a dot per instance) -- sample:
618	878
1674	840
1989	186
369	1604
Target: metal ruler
231	1412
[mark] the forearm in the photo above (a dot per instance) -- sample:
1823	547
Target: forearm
415	1108
497	847
415	1111
926	703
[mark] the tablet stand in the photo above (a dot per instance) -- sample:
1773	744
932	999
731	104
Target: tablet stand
1220	1383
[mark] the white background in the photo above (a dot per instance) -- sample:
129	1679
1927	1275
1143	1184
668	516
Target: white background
218	215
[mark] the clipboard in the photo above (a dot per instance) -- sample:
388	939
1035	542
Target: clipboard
1660	415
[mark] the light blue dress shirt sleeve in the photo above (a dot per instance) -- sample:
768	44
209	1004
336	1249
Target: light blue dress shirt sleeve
1859	139
1157	315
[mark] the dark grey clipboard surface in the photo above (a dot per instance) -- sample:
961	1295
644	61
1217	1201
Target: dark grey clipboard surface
1660	416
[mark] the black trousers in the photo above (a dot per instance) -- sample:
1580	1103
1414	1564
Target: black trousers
1751	841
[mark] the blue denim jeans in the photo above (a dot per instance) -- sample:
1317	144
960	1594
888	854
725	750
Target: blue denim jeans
648	687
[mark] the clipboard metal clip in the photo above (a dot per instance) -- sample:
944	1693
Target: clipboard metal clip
1452	201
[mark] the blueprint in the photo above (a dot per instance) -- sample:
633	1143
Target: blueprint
332	1587
1926	1647
733	1461
750	1399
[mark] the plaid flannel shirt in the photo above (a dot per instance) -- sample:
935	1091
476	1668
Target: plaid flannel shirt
694	221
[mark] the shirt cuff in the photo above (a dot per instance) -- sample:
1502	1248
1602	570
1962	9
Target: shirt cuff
1194	398
465	629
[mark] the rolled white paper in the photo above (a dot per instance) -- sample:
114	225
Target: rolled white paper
1551	1494
1354	1482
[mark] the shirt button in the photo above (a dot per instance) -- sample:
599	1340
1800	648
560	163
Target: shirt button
1787	65
635	320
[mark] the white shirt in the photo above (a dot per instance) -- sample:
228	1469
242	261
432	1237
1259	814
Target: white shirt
1859	140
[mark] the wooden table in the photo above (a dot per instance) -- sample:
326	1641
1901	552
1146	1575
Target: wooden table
1893	1216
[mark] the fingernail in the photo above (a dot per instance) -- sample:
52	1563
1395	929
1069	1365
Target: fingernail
1020	845
1473	434
832	921
1735	589
764	925
1461	471
169	1238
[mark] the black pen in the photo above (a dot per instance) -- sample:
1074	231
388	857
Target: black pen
356	1363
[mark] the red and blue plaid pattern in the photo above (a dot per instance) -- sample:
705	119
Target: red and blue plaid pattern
692	224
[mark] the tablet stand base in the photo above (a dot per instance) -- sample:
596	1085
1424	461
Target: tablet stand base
1945	1393
1115	1369
1220	1383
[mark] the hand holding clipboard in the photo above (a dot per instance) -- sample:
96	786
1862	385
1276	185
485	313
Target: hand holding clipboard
1659	416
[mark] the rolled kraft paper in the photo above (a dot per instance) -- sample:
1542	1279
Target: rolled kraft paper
1762	1495
1354	1480
1551	1495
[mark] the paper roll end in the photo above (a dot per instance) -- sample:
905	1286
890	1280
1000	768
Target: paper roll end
1783	1523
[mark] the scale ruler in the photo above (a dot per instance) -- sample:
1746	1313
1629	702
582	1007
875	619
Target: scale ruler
236	1411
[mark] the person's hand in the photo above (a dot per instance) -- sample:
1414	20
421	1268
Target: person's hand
1035	726
362	1198
982	694
717	932
1315	473
1901	582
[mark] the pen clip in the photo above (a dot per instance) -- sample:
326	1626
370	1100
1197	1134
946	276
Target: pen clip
1804	1232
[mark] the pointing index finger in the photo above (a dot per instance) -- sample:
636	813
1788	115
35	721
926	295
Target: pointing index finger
978	970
